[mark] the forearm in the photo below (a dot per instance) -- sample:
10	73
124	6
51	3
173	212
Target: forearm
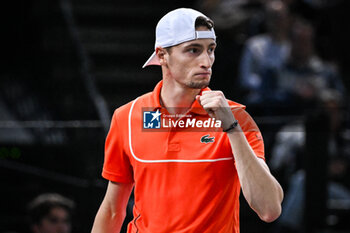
261	190
112	211
108	220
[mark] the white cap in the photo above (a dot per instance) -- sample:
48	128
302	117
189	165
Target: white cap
176	27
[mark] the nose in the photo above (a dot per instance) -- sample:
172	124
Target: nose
206	60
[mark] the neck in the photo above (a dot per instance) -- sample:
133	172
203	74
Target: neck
176	97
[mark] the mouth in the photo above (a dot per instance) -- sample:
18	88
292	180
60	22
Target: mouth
203	74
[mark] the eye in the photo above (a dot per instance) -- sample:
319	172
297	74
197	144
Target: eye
193	50
211	50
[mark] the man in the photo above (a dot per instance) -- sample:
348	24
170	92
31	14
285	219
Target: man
185	181
50	213
265	54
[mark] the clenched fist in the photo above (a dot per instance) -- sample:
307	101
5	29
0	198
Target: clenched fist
215	103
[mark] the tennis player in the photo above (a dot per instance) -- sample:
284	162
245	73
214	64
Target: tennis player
184	180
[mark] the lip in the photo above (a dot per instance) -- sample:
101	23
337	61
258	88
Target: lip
203	74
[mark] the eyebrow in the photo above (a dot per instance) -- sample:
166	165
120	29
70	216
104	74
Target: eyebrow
199	45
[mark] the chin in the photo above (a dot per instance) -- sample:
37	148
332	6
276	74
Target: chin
198	84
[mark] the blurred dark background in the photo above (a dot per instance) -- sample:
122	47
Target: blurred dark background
67	64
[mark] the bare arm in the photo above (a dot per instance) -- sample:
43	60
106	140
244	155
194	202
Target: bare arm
261	190
112	211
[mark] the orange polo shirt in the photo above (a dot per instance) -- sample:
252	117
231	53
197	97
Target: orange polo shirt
182	183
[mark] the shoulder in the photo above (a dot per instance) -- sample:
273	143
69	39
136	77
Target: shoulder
237	108
234	104
243	117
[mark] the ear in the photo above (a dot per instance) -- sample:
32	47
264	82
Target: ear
160	53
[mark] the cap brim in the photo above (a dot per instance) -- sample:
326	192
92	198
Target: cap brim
153	60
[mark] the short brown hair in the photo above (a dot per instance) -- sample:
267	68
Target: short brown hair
206	22
42	205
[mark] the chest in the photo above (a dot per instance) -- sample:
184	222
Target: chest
175	146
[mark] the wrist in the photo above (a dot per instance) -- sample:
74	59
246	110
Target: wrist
233	126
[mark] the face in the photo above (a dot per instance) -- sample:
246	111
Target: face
190	63
57	221
277	17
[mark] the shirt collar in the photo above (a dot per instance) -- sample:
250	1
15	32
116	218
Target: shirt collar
156	95
195	107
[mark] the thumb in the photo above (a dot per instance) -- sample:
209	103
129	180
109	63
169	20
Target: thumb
209	111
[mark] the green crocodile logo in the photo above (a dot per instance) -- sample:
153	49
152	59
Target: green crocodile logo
206	139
